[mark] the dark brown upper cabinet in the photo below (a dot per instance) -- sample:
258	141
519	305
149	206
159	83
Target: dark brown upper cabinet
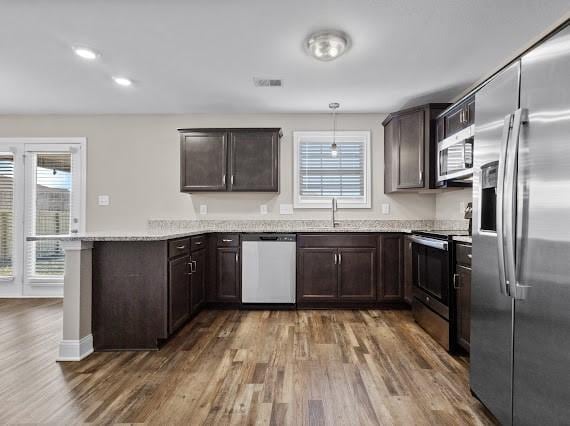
203	161
459	116
254	161
410	148
220	160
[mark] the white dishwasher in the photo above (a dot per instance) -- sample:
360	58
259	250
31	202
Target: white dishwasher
268	268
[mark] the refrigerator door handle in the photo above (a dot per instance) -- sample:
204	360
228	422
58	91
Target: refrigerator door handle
500	205
518	188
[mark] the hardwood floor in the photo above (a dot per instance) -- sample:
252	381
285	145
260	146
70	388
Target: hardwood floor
231	367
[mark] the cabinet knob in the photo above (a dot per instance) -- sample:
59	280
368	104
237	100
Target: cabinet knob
181	247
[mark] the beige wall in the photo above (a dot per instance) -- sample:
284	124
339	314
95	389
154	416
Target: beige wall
135	160
451	203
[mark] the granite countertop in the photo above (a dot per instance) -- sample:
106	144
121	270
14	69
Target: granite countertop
168	229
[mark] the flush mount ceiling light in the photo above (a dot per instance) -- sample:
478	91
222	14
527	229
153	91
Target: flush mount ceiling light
86	53
123	81
327	45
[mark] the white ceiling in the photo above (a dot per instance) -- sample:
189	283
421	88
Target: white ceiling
202	55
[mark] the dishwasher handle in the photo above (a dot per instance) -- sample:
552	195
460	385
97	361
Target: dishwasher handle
269	238
430	242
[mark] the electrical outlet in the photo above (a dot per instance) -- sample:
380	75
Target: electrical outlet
263	209
385	208
203	209
103	200
285	208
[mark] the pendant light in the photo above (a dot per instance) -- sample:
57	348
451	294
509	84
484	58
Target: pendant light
333	107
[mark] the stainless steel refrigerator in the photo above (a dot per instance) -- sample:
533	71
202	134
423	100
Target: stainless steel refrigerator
520	330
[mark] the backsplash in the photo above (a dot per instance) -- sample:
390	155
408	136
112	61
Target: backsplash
269	225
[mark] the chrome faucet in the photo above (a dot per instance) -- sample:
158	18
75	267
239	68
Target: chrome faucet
333	210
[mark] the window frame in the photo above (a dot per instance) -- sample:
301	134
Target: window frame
364	202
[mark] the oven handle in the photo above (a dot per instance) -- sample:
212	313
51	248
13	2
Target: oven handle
430	242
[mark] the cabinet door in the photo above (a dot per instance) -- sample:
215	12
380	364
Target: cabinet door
391	133
317	274
228	273
454	121
408	271
411	150
178	292
203	160
463	302
391	288
198	281
357	273
254	161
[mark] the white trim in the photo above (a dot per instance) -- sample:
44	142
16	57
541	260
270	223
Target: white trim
75	350
325	202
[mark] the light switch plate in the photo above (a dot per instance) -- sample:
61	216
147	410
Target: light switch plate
385	208
103	200
203	209
263	209
285	208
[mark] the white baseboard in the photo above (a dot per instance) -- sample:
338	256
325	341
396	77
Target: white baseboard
75	350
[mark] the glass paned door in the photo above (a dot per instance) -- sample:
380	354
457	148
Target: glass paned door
52	207
41	183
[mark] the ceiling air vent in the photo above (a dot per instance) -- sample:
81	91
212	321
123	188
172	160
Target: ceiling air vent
267	82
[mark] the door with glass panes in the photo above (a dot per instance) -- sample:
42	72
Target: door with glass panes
41	183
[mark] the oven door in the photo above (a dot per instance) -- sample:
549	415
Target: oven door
431	273
455	156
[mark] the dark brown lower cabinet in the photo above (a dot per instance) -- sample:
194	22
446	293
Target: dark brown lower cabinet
317	274
337	269
391	284
228	274
462	285
357	274
198	281
408	271
178	292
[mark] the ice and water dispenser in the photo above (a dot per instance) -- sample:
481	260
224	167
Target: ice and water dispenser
489	173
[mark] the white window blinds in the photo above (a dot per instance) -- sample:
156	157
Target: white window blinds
319	176
6	215
322	175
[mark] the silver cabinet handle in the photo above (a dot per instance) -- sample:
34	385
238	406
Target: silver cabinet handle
181	247
190	265
335	258
456	281
469	255
232	180
461	116
225	240
224	179
421	176
198	243
194	267
339	258
237	257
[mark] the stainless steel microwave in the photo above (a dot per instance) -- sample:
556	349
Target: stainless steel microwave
455	156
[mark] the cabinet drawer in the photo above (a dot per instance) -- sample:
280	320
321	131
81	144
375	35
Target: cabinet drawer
337	240
463	254
228	240
178	247
198	242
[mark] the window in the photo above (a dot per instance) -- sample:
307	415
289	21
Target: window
319	176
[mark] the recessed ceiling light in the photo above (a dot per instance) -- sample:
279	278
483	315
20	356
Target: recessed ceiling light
327	45
85	53
123	81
